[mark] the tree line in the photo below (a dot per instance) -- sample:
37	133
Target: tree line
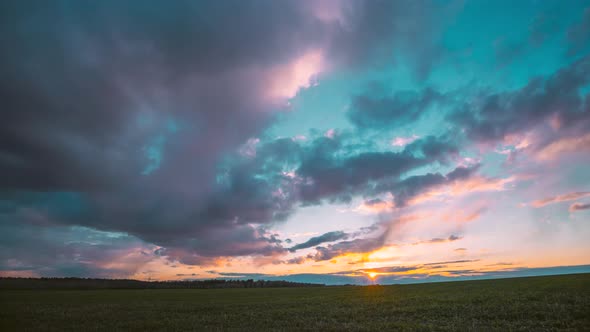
91	283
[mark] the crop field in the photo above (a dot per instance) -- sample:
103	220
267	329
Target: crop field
519	304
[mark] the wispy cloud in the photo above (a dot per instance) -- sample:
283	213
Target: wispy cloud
563	146
451	238
560	198
376	205
579	207
315	241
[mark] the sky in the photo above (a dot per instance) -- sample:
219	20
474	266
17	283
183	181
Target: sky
319	141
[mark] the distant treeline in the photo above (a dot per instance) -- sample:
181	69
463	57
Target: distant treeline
85	283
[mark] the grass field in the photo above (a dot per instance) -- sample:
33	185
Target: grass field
527	304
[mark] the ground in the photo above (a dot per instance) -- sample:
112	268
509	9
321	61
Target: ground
519	304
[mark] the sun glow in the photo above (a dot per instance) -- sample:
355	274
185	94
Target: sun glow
372	275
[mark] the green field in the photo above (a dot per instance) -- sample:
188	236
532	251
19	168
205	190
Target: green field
530	304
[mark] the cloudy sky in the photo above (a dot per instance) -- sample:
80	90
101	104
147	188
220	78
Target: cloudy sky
342	140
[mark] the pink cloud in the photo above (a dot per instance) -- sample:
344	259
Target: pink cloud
330	133
376	206
403	141
480	183
463	187
519	141
290	174
287	80
463	216
564	146
560	198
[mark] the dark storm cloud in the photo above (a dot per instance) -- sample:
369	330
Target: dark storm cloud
69	252
491	117
256	189
326	237
410	187
559	100
417	184
251	190
343	177
121	117
203	247
332	177
86	88
414	185
433	148
78	75
462	172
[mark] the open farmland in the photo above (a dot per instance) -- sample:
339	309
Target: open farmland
527	304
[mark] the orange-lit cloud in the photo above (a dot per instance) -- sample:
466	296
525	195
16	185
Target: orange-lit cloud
445	268
463	216
375	206
480	183
560	198
18	274
463	187
564	146
516	142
